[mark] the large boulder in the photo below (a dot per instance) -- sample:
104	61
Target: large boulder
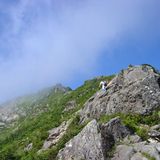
137	151
86	145
134	90
112	132
154	133
94	141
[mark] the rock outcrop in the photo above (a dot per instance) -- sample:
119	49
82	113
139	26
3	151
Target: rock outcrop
154	133
86	145
137	151
55	135
112	132
134	90
94	141
70	106
28	147
2	125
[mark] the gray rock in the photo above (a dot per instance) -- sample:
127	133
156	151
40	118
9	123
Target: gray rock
134	90
2	124
158	147
132	139
116	129
70	105
94	141
136	151
154	135
149	148
138	156
29	147
55	135
123	152
86	145
156	127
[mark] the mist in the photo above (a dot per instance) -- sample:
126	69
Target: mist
44	42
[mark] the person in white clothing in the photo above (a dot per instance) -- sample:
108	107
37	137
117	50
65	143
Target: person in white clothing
103	84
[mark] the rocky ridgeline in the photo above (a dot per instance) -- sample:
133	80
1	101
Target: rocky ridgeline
134	90
20	107
96	142
93	141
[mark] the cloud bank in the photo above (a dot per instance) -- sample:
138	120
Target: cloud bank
48	41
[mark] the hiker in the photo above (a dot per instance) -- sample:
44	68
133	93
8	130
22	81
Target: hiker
103	84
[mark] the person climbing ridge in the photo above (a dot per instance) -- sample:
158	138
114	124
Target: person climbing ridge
103	84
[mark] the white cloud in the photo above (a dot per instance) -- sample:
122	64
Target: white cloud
49	41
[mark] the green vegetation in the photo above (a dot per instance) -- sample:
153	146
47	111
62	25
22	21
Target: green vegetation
148	156
72	131
111	152
48	112
43	115
135	122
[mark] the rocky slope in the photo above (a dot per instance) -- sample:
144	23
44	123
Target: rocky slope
122	123
30	104
134	90
94	141
48	124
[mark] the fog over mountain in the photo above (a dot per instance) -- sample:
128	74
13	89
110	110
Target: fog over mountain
43	42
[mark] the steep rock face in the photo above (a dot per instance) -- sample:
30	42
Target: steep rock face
115	128
134	90
85	145
94	141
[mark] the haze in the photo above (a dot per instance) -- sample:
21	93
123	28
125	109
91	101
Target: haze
44	42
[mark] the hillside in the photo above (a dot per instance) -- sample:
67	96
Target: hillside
29	105
122	123
34	126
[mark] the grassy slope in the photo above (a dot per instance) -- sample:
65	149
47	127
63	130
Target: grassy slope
135	122
34	128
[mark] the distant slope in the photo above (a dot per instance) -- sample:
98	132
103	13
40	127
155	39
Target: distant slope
29	104
34	129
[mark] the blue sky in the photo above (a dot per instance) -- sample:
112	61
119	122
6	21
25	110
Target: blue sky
44	42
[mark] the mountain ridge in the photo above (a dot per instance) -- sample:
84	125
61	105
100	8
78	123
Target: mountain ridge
12	110
62	130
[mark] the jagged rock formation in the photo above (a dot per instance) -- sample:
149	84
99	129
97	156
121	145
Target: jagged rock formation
133	148
85	145
55	135
134	90
94	141
137	151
